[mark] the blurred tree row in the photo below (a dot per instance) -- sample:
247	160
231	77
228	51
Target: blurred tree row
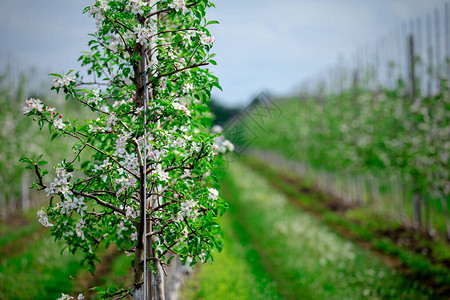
381	132
19	138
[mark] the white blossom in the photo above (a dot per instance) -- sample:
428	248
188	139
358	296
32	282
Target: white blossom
213	193
228	145
207	40
64	297
33	104
216	129
130	212
62	82
95	97
162	175
144	34
163	84
43	218
179	5
61	182
103	4
136	6
182	107
187	87
71	203
58	123
79	229
187	208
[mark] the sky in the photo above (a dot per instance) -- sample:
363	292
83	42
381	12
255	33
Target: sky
260	44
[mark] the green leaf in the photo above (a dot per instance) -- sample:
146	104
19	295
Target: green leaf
212	22
41	124
216	85
25	160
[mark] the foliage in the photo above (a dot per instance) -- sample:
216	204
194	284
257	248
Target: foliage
18	137
382	132
148	151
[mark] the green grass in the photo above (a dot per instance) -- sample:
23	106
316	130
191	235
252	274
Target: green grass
40	272
31	266
235	274
362	223
303	257
18	227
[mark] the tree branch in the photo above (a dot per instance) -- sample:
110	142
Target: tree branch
183	69
101	202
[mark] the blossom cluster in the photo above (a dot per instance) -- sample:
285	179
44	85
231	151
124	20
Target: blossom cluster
96	10
61	182
207	40
94	97
36	106
43	218
33	104
136	6
179	5
145	34
70	203
79	229
63	82
67	297
181	107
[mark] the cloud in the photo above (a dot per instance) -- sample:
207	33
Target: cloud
259	43
45	33
277	44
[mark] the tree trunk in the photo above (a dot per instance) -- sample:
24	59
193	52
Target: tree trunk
417	207
154	281
428	216
445	210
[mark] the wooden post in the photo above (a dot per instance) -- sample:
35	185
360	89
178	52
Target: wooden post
375	192
401	187
447	41
355	83
412	69
2	205
359	190
445	212
25	195
398	54
428	216
418	58
430	69
417	208
437	33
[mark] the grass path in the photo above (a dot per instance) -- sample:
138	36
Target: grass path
399	248
32	266
39	272
237	272
303	257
